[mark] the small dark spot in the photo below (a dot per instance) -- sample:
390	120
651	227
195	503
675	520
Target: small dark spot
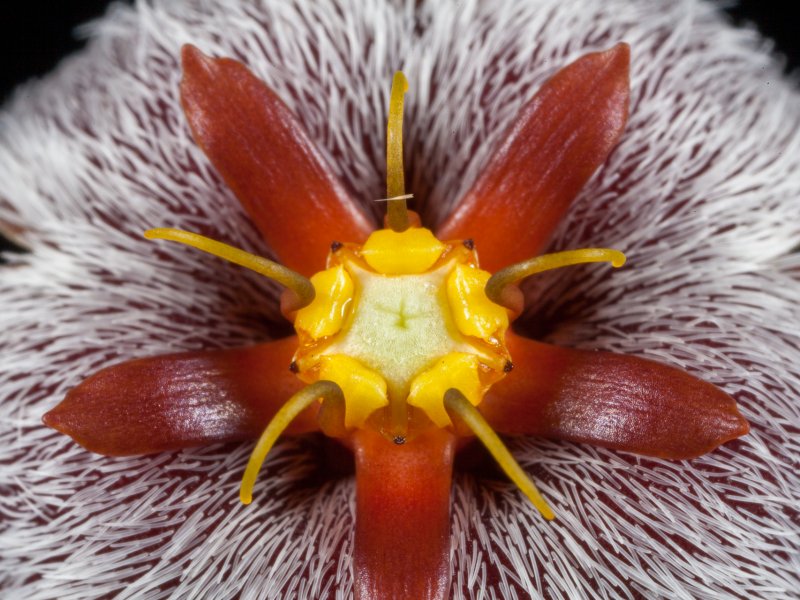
469	244
293	367
508	366
336	246
399	440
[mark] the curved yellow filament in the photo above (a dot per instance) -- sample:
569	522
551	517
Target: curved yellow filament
457	404
397	211
301	286
293	407
498	283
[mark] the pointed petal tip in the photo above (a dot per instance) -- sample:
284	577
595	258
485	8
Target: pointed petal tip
620	51
729	425
719	426
194	64
726	425
191	54
744	426
51	419
64	419
59	418
617	60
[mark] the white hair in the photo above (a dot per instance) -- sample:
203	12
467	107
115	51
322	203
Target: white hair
703	194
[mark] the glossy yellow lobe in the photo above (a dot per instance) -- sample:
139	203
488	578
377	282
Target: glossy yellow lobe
409	252
456	370
473	312
364	390
324	316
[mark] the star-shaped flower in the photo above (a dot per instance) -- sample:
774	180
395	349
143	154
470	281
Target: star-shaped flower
109	295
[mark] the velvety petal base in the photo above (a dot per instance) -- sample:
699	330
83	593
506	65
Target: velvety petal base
612	400
402	543
557	141
267	159
181	400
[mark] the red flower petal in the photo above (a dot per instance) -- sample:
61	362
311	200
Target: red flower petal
560	138
402	543
266	158
611	400
181	400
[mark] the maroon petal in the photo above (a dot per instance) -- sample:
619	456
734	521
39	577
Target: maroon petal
610	400
181	400
558	140
265	156
402	543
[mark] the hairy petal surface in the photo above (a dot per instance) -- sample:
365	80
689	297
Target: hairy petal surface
181	400
266	158
611	400
402	538
701	193
555	144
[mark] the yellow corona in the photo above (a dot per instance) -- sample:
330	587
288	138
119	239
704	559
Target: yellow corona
398	321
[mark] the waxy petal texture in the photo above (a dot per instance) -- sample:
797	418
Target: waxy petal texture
612	400
267	159
181	400
402	543
557	141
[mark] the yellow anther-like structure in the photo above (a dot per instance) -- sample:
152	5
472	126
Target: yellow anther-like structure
473	312
456	370
364	390
412	251
324	316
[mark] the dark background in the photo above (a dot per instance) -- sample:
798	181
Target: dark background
37	33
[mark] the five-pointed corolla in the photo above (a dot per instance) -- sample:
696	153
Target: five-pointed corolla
402	349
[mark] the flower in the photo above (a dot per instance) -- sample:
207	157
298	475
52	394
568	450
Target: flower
132	522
